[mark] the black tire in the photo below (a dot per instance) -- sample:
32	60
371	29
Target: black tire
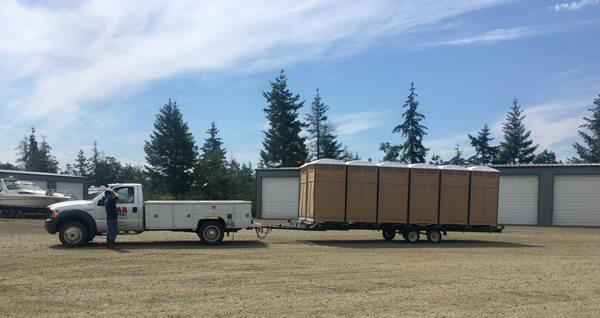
388	235
73	234
434	236
211	233
412	235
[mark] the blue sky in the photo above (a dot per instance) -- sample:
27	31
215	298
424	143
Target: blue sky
99	70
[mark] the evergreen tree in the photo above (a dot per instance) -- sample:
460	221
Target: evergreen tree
69	170
283	146
211	170
47	162
242	181
545	156
484	152
28	152
517	145
347	155
107	170
81	164
8	166
34	156
94	162
171	151
322	140
437	160
412	150
590	152
458	158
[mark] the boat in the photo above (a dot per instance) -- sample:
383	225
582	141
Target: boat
19	197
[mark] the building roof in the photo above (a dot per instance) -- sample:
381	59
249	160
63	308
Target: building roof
46	174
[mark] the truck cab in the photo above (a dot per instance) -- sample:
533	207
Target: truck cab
78	222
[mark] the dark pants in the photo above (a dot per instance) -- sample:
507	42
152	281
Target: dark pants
112	231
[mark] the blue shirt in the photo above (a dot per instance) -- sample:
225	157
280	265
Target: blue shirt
110	204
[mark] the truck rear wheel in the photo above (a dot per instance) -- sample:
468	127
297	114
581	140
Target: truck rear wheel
434	236
412	235
211	233
388	235
73	234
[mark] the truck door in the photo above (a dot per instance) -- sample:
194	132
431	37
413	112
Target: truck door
129	207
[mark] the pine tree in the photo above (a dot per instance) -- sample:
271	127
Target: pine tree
458	158
242	181
47	162
211	170
8	166
171	151
81	164
412	150
34	156
347	155
283	146
545	156
484	152
590	152
517	145
436	160
322	140
28	152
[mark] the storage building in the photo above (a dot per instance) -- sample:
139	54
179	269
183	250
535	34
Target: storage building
454	195
423	193
393	193
361	192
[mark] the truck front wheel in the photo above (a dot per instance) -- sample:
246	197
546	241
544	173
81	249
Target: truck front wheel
211	233
73	234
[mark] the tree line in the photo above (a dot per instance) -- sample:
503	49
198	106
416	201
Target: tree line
177	168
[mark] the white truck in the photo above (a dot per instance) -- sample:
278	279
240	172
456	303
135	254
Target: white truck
78	222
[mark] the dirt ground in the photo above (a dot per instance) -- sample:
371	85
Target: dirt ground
523	272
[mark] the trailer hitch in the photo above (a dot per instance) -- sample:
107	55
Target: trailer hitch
262	232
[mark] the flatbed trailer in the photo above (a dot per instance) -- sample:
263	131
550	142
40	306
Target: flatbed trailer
410	232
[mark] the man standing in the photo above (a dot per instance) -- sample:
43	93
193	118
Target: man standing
112	223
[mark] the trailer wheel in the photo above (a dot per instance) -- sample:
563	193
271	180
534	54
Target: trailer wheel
388	235
412	235
73	234
434	236
211	233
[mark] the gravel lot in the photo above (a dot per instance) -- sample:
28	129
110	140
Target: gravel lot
524	272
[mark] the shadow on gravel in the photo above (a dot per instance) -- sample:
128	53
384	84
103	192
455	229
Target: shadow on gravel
422	244
158	245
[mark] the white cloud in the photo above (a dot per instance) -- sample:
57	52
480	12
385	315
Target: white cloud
444	147
574	5
58	59
354	123
488	37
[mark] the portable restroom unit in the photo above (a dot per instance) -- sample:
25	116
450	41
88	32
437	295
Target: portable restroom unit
423	193
361	192
392	206
322	190
483	205
454	195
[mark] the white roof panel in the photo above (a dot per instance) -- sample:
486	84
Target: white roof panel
324	162
360	163
453	167
422	166
483	168
392	164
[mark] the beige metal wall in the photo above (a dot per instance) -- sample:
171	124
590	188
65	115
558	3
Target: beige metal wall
454	197
393	195
328	193
484	198
424	195
361	204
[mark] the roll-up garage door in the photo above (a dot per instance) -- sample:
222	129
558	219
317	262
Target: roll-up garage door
518	201
576	200
71	188
279	199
